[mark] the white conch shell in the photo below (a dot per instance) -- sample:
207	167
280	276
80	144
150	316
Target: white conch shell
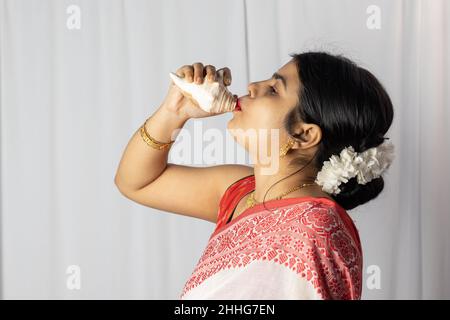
207	92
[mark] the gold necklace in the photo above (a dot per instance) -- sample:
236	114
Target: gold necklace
251	199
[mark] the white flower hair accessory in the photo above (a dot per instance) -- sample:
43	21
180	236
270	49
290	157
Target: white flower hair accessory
366	166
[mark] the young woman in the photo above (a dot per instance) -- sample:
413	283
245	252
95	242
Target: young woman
283	235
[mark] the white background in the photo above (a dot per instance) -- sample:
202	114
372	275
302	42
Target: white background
72	98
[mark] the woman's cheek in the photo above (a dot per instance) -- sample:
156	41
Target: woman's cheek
269	120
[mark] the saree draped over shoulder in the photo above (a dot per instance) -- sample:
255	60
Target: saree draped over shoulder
300	248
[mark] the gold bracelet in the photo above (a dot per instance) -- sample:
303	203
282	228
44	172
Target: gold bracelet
152	142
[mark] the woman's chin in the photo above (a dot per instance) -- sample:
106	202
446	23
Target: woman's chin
230	123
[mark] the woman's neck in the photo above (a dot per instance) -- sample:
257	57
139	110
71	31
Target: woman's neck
264	181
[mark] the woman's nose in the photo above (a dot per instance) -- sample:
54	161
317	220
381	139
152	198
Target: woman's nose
251	89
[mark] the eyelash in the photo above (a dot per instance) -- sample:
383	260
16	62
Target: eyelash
273	90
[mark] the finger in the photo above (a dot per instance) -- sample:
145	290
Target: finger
210	73
226	76
198	72
186	72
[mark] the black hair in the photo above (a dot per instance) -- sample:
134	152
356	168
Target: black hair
350	106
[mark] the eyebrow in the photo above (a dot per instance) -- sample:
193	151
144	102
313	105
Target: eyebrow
276	75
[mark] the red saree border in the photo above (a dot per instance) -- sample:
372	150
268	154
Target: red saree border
246	184
324	253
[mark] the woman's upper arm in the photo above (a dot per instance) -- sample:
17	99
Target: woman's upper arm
190	191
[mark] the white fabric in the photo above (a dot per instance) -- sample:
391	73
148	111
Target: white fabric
70	100
258	280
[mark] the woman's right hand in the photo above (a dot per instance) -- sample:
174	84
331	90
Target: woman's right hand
180	102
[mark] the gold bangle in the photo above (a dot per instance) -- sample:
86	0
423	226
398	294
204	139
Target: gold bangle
152	142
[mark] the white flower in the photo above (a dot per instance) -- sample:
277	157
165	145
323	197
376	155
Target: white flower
366	166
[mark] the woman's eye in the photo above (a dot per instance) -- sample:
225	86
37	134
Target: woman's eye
273	91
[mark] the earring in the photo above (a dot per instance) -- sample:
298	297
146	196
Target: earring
284	150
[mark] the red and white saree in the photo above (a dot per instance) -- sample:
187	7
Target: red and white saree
304	248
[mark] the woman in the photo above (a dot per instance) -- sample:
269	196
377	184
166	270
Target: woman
286	234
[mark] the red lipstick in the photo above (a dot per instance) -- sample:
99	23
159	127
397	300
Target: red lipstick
238	106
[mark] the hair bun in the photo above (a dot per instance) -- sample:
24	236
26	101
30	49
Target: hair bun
354	194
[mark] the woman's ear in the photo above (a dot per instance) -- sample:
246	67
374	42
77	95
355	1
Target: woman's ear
306	135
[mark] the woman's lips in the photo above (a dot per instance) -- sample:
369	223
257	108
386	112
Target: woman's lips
238	106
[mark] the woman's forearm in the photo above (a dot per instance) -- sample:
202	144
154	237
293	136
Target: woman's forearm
141	164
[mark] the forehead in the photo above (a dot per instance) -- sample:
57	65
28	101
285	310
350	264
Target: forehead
289	71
